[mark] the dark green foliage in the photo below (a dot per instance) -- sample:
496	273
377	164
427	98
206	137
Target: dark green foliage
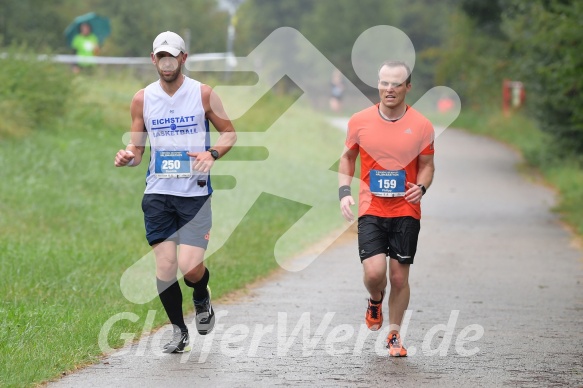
134	29
40	23
548	51
468	45
537	42
333	26
486	14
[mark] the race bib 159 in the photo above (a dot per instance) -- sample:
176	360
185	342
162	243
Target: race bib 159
387	183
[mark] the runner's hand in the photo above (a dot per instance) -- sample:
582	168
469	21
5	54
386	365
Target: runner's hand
345	204
413	193
204	161
123	157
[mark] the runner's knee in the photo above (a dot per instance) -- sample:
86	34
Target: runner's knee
166	265
375	277
196	273
399	280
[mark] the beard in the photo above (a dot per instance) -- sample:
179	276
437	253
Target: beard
169	77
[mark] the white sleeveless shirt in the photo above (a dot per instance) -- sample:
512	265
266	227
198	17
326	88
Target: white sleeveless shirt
176	124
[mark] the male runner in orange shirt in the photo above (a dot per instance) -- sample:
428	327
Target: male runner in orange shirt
395	143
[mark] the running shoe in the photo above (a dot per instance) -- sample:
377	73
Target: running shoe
205	315
374	314
396	348
178	343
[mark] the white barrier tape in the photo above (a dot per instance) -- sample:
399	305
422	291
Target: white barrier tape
125	60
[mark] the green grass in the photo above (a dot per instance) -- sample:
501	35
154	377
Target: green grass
541	156
568	179
71	224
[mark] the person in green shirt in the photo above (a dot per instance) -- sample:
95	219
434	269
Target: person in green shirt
85	44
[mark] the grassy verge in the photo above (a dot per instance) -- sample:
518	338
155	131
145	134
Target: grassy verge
71	224
564	173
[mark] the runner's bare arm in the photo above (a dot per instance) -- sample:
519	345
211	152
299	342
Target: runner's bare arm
426	170
216	114
346	166
135	149
346	169
424	177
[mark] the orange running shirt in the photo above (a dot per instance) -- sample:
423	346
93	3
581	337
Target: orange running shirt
385	145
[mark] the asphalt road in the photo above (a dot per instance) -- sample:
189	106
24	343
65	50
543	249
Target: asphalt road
496	300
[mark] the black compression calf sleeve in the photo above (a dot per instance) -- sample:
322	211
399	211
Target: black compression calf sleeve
199	292
171	298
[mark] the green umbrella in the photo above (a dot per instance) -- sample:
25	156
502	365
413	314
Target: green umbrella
100	26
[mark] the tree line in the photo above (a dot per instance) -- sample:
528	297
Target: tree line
537	42
468	45
40	24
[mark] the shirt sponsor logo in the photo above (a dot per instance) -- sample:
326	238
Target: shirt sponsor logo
167	121
174	126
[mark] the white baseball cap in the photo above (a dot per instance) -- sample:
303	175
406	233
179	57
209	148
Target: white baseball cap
169	42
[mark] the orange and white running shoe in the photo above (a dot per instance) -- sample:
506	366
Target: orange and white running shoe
396	348
374	314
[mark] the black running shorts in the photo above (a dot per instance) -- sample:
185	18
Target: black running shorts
185	220
394	237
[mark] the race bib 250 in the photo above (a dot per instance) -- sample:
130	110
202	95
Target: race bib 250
172	164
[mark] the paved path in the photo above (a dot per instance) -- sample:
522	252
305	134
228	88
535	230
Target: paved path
496	301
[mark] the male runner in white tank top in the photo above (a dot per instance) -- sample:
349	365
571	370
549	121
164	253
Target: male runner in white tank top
173	113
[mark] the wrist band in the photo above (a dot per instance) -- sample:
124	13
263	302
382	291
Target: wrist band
131	162
344	191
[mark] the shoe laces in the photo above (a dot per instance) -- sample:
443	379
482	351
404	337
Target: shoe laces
202	306
394	341
176	336
374	310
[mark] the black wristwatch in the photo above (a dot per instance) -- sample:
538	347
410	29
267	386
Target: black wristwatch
214	153
423	189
